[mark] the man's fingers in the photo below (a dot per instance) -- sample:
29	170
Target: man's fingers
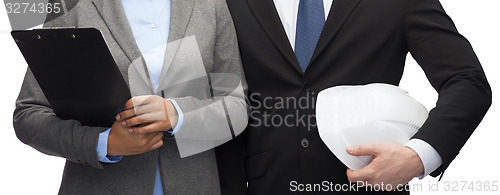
364	150
349	173
354	176
368	173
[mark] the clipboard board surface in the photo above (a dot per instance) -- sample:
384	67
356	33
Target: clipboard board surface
76	72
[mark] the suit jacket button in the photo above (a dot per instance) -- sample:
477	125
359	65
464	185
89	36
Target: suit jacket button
307	87
304	143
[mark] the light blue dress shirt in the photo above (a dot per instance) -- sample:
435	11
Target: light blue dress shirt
150	24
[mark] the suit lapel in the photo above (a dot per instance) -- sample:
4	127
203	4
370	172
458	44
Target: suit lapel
340	11
180	14
266	14
116	20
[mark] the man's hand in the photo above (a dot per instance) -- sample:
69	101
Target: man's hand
393	164
122	143
147	114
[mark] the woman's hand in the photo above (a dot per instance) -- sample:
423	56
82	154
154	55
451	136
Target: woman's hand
147	114
122	143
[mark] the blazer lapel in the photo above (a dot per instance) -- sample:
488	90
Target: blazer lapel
180	14
340	11
116	20
266	14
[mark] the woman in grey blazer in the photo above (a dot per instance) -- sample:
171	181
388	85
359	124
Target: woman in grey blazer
200	82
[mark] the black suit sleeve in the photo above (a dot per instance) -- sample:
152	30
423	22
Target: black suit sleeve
454	71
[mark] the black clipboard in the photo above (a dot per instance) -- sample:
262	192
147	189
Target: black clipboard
76	72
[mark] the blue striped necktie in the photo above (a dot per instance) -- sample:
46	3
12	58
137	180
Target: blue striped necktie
310	22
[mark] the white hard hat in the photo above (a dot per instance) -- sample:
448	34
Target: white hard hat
364	114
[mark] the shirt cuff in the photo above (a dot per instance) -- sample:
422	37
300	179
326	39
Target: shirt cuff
180	117
102	148
428	155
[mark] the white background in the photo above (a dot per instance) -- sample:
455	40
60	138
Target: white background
24	170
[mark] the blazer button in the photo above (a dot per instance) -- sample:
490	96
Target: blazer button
304	143
307	87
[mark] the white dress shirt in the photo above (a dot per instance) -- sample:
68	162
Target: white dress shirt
287	10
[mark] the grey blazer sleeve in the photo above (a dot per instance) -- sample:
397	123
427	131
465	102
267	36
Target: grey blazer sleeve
37	125
216	120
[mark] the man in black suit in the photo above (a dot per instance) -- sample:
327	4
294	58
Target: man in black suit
292	49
